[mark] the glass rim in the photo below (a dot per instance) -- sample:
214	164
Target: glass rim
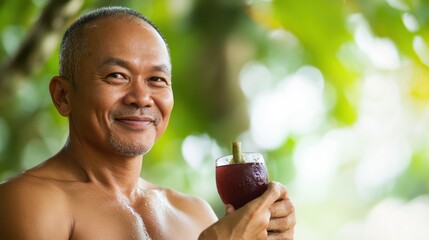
226	160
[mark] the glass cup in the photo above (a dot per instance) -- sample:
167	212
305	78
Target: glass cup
239	183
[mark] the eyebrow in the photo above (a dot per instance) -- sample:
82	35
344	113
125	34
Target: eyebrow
163	68
113	61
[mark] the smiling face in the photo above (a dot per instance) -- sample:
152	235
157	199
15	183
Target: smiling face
123	99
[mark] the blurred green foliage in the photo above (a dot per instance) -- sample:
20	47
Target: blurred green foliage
210	42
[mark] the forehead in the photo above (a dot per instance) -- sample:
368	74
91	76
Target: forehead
119	26
124	34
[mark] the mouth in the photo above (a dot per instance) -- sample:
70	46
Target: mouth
136	122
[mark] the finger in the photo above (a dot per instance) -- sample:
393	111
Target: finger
263	235
282	208
274	192
278	224
288	235
229	209
284	192
283	224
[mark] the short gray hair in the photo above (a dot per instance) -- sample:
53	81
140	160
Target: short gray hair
74	44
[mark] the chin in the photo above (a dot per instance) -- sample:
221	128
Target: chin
128	149
131	151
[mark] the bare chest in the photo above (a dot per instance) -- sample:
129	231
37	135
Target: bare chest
152	216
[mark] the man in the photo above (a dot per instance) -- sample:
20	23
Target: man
115	88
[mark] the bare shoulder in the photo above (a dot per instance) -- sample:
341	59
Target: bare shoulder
188	202
30	206
26	188
190	207
191	211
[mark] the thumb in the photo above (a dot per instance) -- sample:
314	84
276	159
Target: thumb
274	192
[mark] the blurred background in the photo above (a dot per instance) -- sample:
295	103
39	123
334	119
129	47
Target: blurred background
335	94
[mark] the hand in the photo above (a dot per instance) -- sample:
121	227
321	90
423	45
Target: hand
282	221
270	216
282	216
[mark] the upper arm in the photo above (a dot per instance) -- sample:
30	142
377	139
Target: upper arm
30	211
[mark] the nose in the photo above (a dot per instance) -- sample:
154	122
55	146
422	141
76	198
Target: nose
139	95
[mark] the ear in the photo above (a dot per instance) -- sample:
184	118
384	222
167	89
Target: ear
60	89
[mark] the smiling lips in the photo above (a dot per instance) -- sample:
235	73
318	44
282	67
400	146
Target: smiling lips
136	121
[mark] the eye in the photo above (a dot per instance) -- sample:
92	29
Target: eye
116	78
116	75
159	80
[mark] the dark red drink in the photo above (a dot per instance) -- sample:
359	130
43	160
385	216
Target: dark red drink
240	183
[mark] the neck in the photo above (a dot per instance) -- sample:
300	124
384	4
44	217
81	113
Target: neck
117	173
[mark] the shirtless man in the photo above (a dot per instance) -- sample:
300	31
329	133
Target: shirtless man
115	88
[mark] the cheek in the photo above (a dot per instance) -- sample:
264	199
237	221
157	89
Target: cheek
103	101
94	105
167	105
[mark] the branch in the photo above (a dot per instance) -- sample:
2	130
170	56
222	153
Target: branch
38	45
